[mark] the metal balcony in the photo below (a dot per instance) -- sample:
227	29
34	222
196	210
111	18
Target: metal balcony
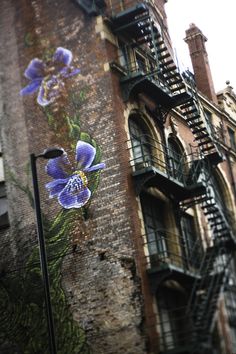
92	7
154	166
178	334
146	61
167	255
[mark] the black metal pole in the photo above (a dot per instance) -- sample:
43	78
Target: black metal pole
43	257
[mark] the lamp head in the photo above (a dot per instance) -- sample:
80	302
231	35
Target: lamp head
51	153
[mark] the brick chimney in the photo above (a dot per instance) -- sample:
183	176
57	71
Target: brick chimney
197	49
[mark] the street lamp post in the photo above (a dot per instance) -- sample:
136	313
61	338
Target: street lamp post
47	154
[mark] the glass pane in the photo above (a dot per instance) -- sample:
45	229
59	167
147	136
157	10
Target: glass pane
3	206
140	144
1	170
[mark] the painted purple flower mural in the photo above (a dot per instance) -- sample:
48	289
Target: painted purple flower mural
48	78
70	184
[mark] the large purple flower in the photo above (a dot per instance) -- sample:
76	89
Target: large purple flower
48	78
70	185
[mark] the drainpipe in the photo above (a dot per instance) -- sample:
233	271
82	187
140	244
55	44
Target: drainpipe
227	155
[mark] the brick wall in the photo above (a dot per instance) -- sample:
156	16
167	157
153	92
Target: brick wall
99	277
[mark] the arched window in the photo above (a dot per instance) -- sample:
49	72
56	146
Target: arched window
219	192
173	322
140	141
176	160
153	214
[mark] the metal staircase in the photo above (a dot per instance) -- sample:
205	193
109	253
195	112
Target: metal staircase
203	301
157	75
197	121
150	69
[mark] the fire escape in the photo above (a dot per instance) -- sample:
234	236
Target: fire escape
148	67
154	71
214	267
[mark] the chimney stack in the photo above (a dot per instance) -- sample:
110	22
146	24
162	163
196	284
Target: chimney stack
197	49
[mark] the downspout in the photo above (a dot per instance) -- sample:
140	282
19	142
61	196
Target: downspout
227	155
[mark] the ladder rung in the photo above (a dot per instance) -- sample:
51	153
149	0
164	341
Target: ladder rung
196	124
164	56
180	87
190	111
196	116
168	69
161	50
205	142
178	81
167	63
187	104
199	130
210	212
207	148
214	218
217	223
208	205
203	136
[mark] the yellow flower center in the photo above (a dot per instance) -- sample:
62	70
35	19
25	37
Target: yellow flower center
83	178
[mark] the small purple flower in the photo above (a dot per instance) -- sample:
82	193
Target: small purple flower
48	78
70	185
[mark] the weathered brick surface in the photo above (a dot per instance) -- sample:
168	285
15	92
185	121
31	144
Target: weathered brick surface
100	278
103	274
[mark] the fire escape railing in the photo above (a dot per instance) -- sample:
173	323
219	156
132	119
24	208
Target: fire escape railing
164	247
153	164
214	268
150	69
148	64
203	131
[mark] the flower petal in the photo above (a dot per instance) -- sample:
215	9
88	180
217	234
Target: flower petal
63	55
56	167
99	166
85	154
35	69
31	88
70	200
55	187
69	71
41	99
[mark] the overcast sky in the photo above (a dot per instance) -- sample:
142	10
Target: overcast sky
217	23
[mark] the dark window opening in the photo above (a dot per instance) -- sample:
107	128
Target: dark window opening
141	146
232	140
176	161
173	322
141	62
153	214
190	246
4	221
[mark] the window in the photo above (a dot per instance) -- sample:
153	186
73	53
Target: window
140	143
141	62
208	119
123	55
4	222
173	324
176	164
189	248
153	214
232	140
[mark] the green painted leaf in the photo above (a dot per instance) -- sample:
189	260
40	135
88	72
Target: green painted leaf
85	137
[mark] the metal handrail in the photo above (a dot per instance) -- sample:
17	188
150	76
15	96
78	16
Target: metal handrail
152	153
164	247
117	6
